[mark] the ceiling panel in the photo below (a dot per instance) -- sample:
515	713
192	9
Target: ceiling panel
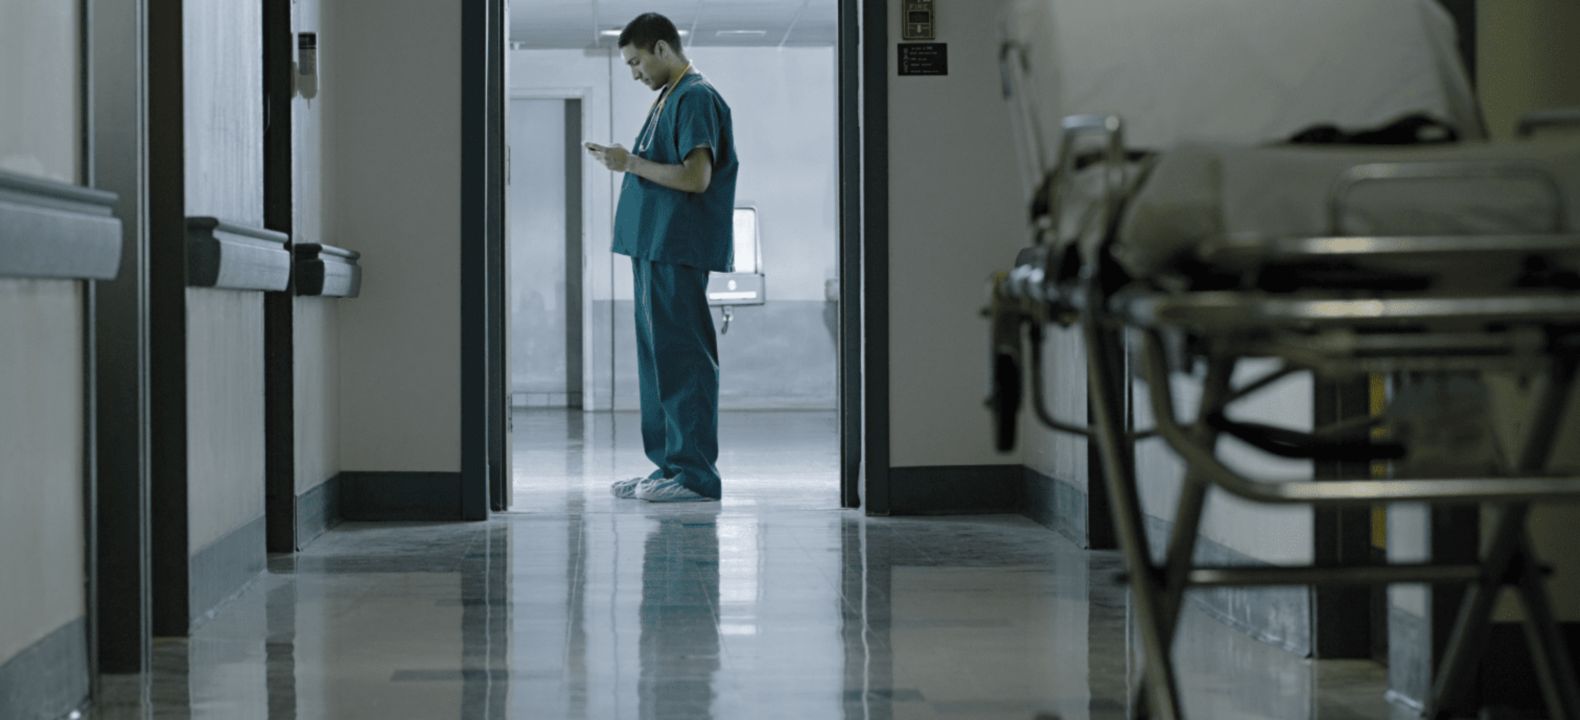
736	23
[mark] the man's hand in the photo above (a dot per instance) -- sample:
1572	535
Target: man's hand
615	158
693	176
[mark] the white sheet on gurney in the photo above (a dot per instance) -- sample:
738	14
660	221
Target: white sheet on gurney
1240	71
1199	193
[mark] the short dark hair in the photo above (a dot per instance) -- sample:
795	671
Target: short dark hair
647	29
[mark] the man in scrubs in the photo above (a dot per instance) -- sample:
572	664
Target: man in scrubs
675	222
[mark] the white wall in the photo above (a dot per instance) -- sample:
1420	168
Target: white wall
41	460
225	431
317	428
391	101
1060	456
40	118
955	217
1264	532
225	347
41	386
316	324
1526	58
224	110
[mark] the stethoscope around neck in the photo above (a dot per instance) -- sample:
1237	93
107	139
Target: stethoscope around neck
646	140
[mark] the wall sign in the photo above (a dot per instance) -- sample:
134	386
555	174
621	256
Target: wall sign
924	59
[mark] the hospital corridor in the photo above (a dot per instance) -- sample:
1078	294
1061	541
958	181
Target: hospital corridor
856	359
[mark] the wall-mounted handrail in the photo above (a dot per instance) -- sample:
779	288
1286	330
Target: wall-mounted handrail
229	256
54	230
327	271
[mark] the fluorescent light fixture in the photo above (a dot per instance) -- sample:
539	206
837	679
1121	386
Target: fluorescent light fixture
615	32
741	33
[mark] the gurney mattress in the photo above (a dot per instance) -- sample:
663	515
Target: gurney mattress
1199	197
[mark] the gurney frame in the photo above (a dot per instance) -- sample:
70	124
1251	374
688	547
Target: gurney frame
1334	334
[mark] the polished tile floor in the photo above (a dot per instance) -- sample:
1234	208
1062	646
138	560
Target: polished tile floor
788	460
771	604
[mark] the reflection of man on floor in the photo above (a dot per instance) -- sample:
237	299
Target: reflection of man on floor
675	221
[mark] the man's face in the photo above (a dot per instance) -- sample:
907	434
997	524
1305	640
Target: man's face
647	68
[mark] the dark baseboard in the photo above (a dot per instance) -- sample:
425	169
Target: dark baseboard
956	490
1278	616
227	565
49	678
1057	505
400	496
317	510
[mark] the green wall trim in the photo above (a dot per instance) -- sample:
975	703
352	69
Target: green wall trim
225	568
317	511
1058	505
49	678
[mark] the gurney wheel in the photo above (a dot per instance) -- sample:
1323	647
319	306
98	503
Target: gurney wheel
1006	398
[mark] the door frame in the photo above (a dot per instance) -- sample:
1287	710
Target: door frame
863	387
482	192
864	252
279	320
114	152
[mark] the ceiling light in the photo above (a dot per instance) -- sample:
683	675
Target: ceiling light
741	33
615	32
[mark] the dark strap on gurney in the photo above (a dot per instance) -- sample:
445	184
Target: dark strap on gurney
1088	159
1306	446
1414	129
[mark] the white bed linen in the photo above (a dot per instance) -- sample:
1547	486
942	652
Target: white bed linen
1240	71
1198	193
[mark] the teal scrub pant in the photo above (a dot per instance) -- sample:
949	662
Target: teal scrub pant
677	368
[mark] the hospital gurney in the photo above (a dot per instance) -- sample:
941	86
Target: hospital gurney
1179	222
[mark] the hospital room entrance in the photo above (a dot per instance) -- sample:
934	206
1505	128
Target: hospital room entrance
571	306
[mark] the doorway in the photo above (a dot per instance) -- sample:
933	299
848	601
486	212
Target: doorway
783	398
544	254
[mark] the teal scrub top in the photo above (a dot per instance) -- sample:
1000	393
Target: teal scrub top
655	223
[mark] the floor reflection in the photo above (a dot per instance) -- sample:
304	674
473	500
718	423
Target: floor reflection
587	607
679	653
